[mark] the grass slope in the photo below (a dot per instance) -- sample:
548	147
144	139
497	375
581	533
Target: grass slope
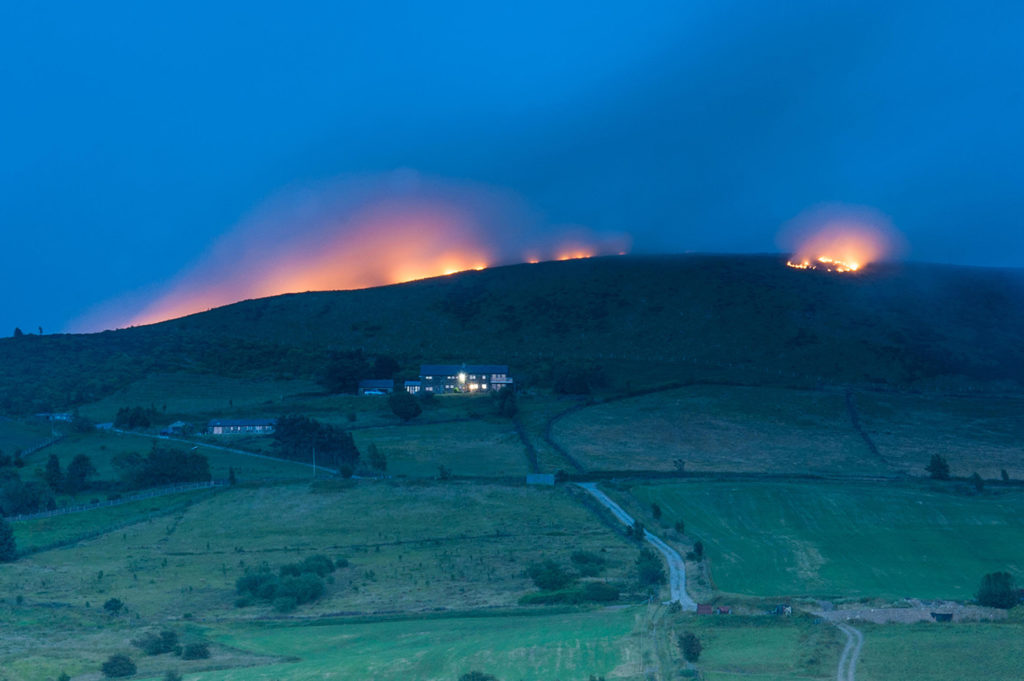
720	428
847	540
568	646
762	321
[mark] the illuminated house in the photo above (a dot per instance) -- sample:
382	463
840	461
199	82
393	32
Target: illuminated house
241	426
463	378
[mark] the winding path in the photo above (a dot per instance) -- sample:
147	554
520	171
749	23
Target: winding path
848	660
676	566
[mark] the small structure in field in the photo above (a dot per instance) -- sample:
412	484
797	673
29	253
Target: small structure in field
241	426
376	386
704	609
723	610
464	378
942	616
55	416
540	479
176	428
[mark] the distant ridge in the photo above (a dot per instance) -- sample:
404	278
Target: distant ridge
891	324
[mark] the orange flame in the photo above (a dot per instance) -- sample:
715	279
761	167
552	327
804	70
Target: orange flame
383	235
839	239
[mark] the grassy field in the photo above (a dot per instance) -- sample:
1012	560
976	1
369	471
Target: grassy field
478	447
407	549
19	434
930	652
763	649
101	448
973	433
41	532
721	428
846	540
562	646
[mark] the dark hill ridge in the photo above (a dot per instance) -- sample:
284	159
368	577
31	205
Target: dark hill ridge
902	325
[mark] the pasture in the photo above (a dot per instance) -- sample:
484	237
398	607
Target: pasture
719	428
846	540
474	447
567	646
983	434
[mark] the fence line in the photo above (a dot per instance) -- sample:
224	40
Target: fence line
148	494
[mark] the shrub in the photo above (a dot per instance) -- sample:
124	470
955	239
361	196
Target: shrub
600	592
63	677
588	564
690	646
404	405
937	468
172	675
153	644
550	576
649	570
477	676
196	651
113	605
118	666
997	591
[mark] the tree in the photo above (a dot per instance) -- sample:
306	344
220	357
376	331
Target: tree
404	405
196	651
18	333
79	471
8	547
997	591
231	476
506	398
377	458
344	371
118	666
638	530
172	675
938	468
690	646
53	475
385	366
63	677
656	511
698	550
1005	475
979	484
649	570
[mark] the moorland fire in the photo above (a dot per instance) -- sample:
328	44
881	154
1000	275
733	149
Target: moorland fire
840	241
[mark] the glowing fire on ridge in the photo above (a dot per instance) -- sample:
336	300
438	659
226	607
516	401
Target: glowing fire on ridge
354	235
839	239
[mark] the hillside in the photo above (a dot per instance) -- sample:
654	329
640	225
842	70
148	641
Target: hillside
647	319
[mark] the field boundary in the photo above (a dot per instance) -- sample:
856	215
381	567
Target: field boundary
148	494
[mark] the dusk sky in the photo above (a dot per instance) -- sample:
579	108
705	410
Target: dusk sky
141	143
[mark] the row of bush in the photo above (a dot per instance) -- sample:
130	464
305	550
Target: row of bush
293	585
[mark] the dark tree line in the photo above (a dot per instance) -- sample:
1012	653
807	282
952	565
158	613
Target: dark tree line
297	437
162	466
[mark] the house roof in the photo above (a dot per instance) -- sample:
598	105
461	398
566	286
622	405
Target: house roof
377	383
242	422
412	382
454	369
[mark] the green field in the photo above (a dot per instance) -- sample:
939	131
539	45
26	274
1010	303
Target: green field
101	447
20	434
566	646
846	539
720	428
763	649
929	652
973	433
41	532
477	447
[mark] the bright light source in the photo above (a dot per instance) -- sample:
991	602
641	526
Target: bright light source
462	377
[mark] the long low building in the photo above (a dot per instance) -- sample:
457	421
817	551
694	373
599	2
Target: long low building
241	426
457	378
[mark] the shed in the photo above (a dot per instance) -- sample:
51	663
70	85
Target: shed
540	479
376	386
704	609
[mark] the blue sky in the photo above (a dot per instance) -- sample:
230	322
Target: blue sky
134	136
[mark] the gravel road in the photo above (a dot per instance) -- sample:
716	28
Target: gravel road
676	566
848	660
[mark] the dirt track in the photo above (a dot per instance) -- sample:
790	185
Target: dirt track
676	566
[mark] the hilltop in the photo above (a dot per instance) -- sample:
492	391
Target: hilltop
646	319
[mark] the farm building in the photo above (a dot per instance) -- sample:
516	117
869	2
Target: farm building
376	386
241	426
413	387
176	428
460	378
